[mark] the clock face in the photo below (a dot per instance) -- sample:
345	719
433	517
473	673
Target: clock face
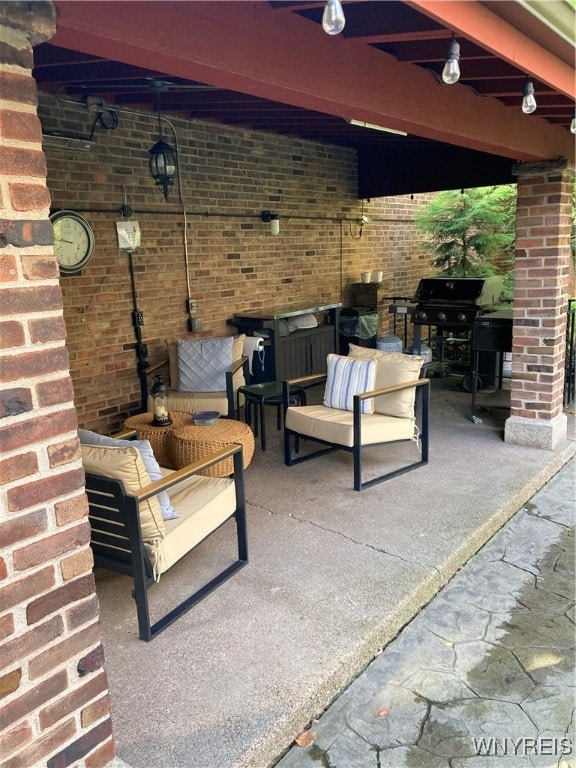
73	240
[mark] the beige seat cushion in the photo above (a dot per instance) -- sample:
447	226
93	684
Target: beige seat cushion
336	426
393	368
192	402
126	464
202	503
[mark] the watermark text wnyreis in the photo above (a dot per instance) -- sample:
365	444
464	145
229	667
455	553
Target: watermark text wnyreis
523	747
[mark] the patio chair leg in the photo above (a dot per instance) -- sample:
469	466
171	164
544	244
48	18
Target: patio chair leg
357	469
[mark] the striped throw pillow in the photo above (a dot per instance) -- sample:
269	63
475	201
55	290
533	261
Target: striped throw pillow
347	377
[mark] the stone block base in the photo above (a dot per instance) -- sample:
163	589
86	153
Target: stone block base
535	432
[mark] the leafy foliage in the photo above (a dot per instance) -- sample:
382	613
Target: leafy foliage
468	231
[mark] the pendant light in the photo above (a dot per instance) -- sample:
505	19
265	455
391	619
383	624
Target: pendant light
333	20
451	71
573	123
162	161
528	100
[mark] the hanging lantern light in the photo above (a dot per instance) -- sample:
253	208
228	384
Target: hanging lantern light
162	165
162	161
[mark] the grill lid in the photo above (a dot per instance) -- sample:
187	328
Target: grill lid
474	291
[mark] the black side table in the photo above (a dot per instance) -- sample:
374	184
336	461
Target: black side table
268	393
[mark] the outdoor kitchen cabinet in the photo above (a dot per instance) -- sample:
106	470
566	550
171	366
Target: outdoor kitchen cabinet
301	352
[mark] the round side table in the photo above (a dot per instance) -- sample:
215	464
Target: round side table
157	436
268	393
190	443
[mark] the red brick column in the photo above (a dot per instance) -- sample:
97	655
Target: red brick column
54	706
540	300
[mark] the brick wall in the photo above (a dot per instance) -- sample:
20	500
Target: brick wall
542	282
54	707
228	177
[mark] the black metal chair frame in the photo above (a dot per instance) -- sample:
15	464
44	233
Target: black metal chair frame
422	404
116	537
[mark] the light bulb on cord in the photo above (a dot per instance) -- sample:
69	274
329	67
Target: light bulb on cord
451	71
573	123
528	101
333	17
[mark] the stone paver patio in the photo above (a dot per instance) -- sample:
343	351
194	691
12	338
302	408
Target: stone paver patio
483	677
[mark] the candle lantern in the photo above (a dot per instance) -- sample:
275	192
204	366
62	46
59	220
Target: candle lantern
160	403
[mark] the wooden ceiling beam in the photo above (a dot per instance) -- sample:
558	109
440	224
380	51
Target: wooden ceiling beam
402	37
249	49
483	27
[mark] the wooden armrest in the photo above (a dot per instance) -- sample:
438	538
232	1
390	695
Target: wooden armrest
157	366
237	364
392	388
314	378
182	474
125	434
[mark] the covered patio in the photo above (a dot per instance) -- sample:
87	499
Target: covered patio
271	67
332	578
333	574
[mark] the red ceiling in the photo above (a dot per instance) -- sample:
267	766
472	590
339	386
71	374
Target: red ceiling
269	66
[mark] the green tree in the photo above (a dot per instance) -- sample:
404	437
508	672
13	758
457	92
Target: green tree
471	232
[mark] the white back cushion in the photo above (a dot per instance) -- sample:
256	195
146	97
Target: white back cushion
348	377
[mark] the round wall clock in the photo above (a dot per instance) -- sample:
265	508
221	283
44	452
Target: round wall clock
73	240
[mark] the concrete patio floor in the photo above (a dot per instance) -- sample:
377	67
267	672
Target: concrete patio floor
333	576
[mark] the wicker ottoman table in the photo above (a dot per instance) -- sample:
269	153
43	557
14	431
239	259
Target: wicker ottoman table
190	443
158	436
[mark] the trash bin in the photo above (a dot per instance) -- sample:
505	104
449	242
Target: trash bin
358	325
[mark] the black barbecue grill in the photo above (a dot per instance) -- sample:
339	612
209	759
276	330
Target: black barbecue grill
455	301
451	305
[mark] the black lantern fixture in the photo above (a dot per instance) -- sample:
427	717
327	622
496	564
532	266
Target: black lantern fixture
162	161
160	403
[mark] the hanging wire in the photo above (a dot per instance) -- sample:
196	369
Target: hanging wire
99	120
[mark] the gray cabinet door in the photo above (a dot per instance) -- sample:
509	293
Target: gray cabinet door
304	352
321	344
292	356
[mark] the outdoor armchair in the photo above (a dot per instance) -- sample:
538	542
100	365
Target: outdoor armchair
384	402
142	527
203	374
